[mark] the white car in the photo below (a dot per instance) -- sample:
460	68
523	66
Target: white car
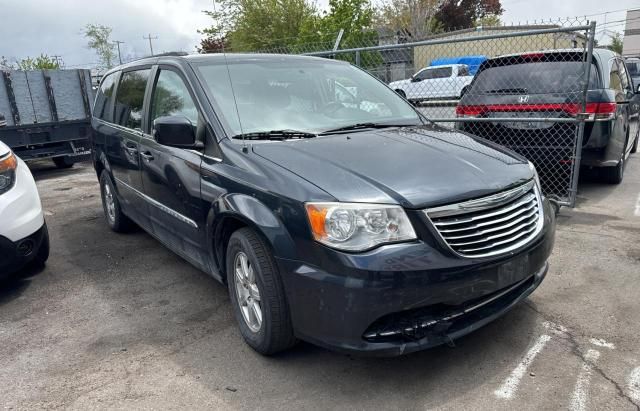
436	82
24	239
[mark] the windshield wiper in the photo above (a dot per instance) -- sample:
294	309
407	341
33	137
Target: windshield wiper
275	135
360	126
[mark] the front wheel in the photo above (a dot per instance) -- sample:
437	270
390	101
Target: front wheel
257	294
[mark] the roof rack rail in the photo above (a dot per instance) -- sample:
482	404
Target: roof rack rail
167	54
171	53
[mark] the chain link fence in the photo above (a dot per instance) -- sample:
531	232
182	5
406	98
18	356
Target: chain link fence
523	87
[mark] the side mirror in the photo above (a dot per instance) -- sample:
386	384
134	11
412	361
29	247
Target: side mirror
174	131
415	79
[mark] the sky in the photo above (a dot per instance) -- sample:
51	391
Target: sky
54	27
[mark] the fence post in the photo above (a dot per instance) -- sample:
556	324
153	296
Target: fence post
358	58
573	191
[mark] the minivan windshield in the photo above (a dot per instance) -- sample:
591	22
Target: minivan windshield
301	96
535	78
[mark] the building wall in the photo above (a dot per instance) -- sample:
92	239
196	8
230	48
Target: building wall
423	55
631	42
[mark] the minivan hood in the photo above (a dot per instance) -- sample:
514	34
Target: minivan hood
413	166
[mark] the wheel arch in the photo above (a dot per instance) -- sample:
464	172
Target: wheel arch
234	211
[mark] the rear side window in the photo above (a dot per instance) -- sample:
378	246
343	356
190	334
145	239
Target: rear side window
130	97
535	78
104	98
615	80
623	75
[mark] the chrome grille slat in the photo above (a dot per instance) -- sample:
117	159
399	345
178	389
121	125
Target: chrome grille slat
491	225
493	237
490	230
466	250
517	204
491	222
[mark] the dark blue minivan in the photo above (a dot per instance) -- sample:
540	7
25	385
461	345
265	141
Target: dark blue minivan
333	211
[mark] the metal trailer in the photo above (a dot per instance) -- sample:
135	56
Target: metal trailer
47	114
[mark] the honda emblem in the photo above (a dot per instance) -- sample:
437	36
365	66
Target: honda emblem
523	99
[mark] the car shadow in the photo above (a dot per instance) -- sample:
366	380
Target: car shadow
13	286
45	169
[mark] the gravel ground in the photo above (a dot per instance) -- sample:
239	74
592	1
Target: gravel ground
118	321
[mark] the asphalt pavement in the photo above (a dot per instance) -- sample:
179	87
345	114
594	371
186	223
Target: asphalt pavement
118	321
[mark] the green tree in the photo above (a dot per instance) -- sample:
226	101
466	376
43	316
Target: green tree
414	17
490	20
253	25
616	43
4	63
42	62
99	39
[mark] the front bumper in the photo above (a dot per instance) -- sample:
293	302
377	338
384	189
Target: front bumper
407	297
15	255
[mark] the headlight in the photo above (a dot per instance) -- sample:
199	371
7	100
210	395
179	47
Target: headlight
358	227
535	176
8	165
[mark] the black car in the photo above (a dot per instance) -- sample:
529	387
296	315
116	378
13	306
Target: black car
551	84
339	218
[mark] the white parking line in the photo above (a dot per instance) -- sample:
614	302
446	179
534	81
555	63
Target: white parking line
580	392
510	385
602	343
633	384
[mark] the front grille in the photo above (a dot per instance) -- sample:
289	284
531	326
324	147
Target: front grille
491	225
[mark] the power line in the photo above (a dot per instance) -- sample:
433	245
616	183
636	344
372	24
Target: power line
150	44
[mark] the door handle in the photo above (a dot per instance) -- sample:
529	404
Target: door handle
147	156
131	149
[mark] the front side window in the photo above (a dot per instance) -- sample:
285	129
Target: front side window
171	98
310	95
102	106
130	98
444	72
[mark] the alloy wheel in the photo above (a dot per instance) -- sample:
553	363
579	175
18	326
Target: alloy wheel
247	292
110	203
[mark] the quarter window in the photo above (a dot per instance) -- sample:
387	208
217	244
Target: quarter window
104	98
130	98
623	75
171	98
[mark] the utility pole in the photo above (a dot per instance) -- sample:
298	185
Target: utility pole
150	44
118	42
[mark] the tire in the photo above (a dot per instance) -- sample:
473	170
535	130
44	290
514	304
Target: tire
401	93
613	175
42	255
63	162
273	332
113	214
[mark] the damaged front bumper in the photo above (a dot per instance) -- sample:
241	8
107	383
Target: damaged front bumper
407	297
